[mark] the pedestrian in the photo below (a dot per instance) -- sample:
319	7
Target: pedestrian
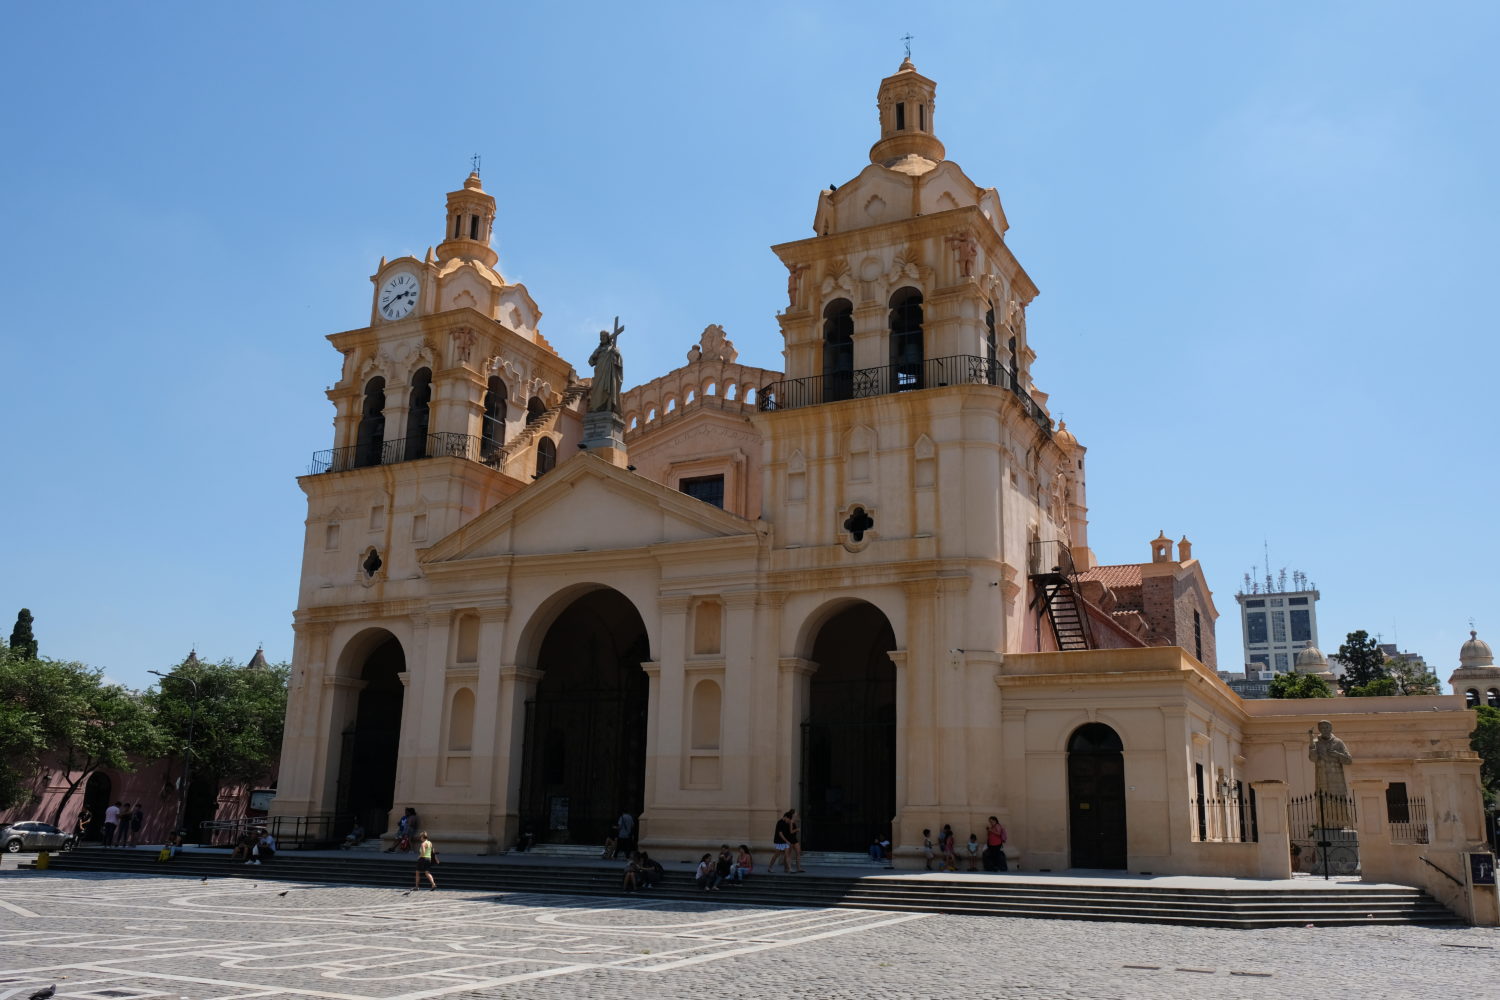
994	850
724	865
137	822
651	871
426	857
950	856
708	877
625	831
111	824
632	879
973	847
780	844
85	817
794	839
744	864
927	852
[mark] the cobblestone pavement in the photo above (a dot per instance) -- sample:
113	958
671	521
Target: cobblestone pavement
111	937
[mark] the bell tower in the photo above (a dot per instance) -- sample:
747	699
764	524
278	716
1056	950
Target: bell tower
471	216
906	102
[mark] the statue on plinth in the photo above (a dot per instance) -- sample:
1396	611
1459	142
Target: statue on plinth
1329	755
609	372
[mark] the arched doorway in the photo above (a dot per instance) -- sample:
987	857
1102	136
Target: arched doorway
201	805
849	738
585	730
1096	797
367	770
96	800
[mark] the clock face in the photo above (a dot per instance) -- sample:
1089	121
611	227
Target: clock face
398	296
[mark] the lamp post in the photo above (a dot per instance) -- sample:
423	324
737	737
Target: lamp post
187	751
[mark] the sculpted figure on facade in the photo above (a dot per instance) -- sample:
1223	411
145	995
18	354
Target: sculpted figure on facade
794	283
609	372
463	343
968	251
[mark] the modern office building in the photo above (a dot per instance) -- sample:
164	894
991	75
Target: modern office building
1276	625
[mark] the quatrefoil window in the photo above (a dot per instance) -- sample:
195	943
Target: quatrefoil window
372	563
857	523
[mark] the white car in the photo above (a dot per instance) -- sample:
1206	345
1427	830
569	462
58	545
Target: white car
34	836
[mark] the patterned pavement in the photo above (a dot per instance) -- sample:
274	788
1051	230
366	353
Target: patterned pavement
111	937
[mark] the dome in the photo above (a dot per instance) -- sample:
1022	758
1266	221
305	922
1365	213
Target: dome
1311	661
1476	652
1064	437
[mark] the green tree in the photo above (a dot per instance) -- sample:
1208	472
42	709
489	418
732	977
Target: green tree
68	713
1412	677
1363	660
22	640
21	742
1380	687
1486	742
1300	686
236	716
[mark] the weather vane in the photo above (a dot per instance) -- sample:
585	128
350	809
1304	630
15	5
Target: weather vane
475	160
907	39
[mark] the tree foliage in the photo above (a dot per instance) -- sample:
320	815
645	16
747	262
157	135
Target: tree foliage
69	712
1412	677
1300	686
1486	742
22	639
1380	687
1363	661
236	716
21	742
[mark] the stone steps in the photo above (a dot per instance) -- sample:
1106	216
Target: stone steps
1247	908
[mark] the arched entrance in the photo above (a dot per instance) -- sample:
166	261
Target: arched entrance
1096	797
585	731
367	769
96	800
849	738
200	806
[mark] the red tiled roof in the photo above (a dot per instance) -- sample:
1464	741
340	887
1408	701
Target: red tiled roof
1115	577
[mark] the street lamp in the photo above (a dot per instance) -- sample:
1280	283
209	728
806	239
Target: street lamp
187	752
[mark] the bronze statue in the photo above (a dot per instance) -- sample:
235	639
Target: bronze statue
609	372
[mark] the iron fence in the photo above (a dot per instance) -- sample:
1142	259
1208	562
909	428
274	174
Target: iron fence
1050	558
1407	818
360	456
1224	819
1322	833
931	373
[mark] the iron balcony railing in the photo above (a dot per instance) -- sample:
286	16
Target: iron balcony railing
359	456
959	369
1050	558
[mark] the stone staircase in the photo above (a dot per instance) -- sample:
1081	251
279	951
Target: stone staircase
570	872
541	422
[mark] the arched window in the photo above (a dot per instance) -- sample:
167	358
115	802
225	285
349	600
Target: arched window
732	391
535	408
692	395
991	346
712	389
906	340
473	227
461	721
750	396
370	440
1492	697
495	395
838	350
708	703
634	422
417	413
671	404
1471	698
1015	365
546	457
651	414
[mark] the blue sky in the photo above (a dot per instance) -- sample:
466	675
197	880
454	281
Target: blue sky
1264	235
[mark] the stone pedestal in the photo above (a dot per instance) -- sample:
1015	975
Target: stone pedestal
604	435
1273	849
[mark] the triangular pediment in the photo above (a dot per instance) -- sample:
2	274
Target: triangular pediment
587	504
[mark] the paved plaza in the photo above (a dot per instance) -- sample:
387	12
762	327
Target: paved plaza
112	937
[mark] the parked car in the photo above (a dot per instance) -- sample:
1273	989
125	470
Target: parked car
33	836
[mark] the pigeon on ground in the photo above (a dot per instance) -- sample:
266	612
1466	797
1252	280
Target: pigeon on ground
204	880
283	892
44	994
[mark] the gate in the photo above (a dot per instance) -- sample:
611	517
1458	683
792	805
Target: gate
848	786
1323	838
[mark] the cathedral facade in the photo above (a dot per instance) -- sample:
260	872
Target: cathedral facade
861	587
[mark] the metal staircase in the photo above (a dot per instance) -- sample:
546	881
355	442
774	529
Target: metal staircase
1052	572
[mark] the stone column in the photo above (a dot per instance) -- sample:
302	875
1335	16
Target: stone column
1378	859
1273	855
488	707
737	730
793	674
419	762
516	686
654	741
305	746
1455	827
